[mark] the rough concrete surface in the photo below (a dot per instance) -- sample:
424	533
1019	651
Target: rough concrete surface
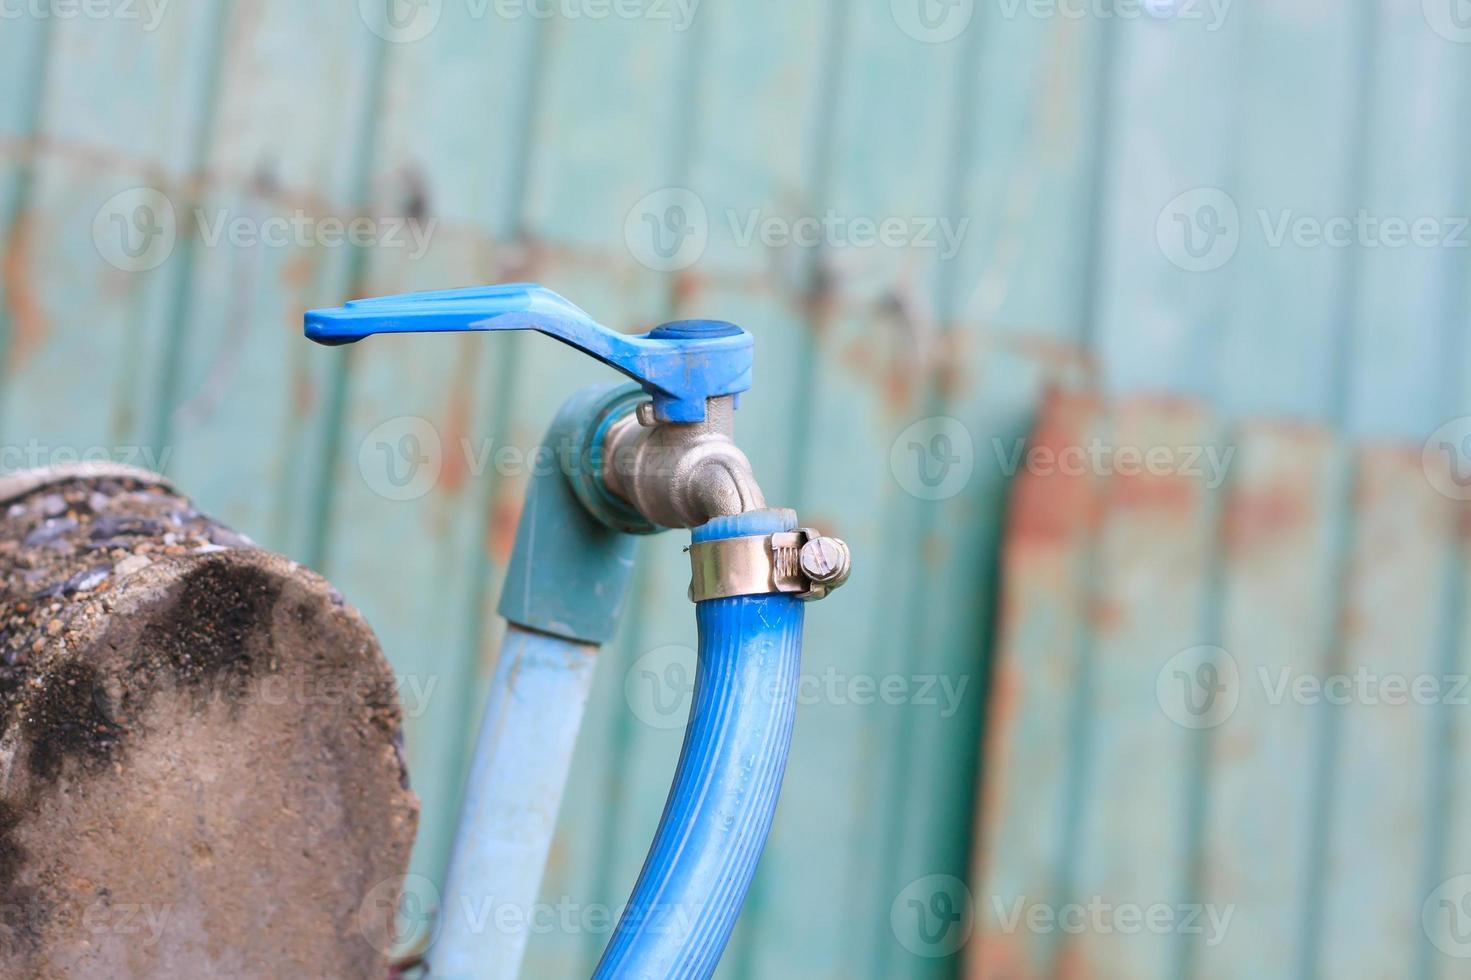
201	765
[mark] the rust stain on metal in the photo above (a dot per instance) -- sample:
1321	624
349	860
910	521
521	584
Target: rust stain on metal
528	256
1072	963
997	956
303	393
1106	616
296	275
456	469
1382	471
688	284
1260	516
1279	496
1161	410
28	322
1152	491
935	550
953	379
818	299
1139	486
505	514
1050	508
1463	522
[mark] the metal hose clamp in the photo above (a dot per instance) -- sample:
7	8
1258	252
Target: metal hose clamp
800	562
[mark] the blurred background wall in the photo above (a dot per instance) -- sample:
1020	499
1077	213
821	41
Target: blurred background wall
1232	232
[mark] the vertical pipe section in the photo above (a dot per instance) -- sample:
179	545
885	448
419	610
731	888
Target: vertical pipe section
725	789
563	596
510	811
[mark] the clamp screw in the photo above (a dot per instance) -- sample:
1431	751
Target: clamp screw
826	561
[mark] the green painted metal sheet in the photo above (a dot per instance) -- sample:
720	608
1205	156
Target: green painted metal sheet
1024	618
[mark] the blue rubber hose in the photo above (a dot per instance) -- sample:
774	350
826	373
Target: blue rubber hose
725	789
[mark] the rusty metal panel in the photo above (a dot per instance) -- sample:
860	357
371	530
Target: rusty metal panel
1011	314
87	355
1032	128
1446	914
1190	727
1149	590
1379	813
1024	822
273	163
1277	537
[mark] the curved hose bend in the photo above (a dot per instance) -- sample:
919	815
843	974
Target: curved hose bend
724	795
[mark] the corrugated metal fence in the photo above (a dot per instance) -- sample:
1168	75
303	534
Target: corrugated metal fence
1124	193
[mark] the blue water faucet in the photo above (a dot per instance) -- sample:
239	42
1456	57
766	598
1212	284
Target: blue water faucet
636	460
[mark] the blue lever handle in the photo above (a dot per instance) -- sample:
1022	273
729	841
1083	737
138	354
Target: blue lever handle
680	364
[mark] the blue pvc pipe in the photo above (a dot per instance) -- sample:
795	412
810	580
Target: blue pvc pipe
488	908
724	795
563	597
